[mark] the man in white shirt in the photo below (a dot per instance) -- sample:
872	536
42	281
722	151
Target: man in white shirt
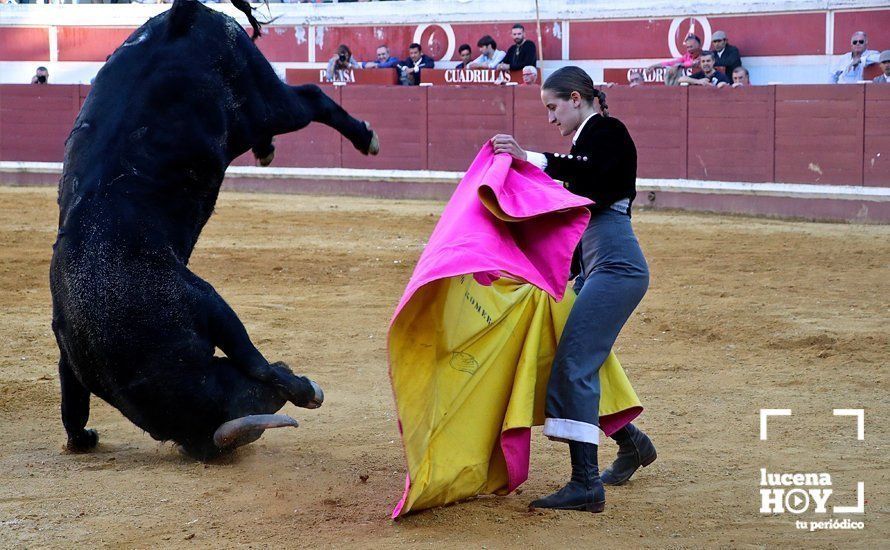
491	55
848	69
885	66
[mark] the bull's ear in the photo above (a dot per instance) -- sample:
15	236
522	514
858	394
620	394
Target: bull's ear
182	16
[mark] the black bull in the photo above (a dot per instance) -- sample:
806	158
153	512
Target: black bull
186	94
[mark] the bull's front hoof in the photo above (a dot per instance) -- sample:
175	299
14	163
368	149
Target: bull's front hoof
318	397
374	146
83	443
267	160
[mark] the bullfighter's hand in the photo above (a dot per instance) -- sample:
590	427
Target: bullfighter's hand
505	143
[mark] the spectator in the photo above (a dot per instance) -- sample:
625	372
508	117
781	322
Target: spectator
740	78
41	76
409	69
634	79
707	75
490	56
885	66
529	75
848	69
689	60
466	53
384	59
340	64
521	54
727	55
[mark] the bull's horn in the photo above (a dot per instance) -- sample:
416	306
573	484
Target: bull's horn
241	431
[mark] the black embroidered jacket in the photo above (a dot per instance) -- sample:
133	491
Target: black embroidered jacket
602	164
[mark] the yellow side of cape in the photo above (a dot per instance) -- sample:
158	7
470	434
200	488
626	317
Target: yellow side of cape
470	361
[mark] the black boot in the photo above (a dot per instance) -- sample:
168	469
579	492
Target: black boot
585	491
635	449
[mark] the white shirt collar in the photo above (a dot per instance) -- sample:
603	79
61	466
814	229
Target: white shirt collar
578	131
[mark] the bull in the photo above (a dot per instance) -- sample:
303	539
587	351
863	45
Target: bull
182	97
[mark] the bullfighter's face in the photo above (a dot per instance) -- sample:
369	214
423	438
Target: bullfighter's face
566	114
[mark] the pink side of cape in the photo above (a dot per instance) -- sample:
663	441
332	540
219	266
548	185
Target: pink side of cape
537	248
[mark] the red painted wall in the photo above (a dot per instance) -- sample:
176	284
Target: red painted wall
796	134
875	23
784	34
282	43
90	43
787	34
24	44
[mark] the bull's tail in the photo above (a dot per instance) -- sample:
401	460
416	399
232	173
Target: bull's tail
248	10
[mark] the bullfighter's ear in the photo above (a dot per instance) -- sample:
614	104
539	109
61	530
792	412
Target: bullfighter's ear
182	15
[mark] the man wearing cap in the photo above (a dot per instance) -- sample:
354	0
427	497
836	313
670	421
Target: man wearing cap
885	66
725	54
848	69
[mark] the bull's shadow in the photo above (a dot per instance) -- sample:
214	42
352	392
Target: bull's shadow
186	94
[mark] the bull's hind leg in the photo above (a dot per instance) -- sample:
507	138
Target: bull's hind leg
321	108
228	334
75	410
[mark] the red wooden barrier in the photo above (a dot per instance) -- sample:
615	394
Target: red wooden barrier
796	134
400	119
462	119
819	134
731	133
656	118
876	160
35	120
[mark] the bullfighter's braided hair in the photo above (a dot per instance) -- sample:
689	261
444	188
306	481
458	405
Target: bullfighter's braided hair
248	10
570	79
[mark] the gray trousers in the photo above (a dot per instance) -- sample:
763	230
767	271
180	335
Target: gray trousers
614	280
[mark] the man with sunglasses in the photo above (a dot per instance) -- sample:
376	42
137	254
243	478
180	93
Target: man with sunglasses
848	69
725	54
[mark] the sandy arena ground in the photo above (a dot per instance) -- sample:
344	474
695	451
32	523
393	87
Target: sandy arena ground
742	314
